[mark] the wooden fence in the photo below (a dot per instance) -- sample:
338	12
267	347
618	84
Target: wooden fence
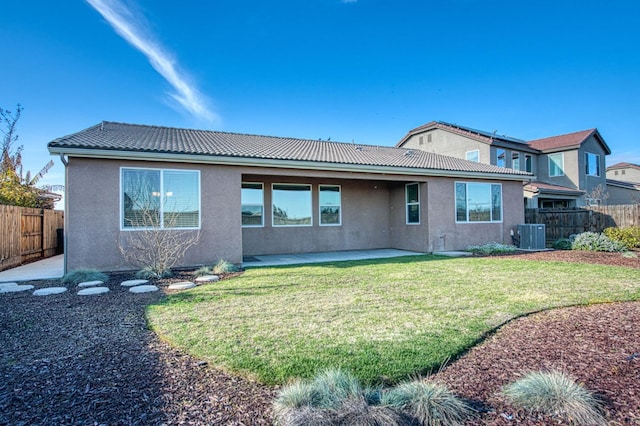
27	234
561	223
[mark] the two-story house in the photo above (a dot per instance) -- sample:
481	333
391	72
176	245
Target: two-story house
568	169
623	183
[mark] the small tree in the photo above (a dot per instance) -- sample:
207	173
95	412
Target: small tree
16	188
597	196
155	246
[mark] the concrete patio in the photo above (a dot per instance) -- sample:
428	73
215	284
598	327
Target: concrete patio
331	256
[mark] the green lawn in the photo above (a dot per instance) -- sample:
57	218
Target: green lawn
383	320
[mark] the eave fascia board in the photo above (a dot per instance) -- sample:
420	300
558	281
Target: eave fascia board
274	163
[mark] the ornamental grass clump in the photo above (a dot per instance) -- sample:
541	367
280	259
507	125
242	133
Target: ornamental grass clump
151	273
429	403
225	267
78	276
591	241
492	248
202	271
556	395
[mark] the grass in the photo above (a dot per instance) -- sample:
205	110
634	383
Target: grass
382	320
555	394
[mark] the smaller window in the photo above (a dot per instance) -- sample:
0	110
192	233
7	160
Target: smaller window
412	194
515	160
528	163
501	158
556	165
592	164
421	140
252	201
330	205
616	173
473	156
623	171
428	138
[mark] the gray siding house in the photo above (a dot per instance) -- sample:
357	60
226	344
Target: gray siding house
566	168
255	195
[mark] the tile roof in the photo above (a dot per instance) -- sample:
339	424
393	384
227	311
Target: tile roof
561	142
480	135
122	138
624	184
536	186
624	165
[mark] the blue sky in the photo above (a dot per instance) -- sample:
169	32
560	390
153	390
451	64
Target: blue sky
357	70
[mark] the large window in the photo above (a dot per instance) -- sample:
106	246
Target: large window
412	194
291	204
473	156
556	164
330	205
592	164
478	202
166	199
252	204
501	158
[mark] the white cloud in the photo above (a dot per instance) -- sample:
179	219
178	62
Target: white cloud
131	27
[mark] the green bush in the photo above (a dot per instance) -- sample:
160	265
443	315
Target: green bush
429	403
492	248
557	395
78	276
562	244
150	273
225	267
629	236
592	241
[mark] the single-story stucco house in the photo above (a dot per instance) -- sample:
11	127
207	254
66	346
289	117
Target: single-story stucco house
255	195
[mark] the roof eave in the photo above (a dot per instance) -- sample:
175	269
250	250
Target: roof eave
275	163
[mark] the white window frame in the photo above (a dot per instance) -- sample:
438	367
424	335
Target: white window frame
476	152
504	158
561	154
273	218
455	197
407	204
515	160
586	164
162	197
253	205
320	205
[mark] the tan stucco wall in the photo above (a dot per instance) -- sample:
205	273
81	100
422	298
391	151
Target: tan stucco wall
408	236
445	234
628	174
93	228
447	143
365	219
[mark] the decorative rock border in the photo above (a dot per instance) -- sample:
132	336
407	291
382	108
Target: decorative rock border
14	287
132	283
49	290
93	290
208	279
90	284
143	289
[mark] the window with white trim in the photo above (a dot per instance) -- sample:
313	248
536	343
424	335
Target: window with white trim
473	155
528	163
478	202
412	198
330	205
556	164
592	164
291	204
515	160
501	157
159	198
252	200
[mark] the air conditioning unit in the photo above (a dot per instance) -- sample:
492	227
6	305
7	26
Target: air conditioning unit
532	236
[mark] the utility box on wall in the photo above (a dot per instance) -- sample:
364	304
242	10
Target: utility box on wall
532	236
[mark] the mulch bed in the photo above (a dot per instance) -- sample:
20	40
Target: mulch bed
67	359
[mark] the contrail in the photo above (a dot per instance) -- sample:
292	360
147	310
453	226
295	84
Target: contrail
131	28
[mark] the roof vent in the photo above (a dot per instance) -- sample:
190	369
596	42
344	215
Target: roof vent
408	153
359	148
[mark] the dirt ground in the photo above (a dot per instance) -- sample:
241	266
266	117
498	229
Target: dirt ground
71	360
